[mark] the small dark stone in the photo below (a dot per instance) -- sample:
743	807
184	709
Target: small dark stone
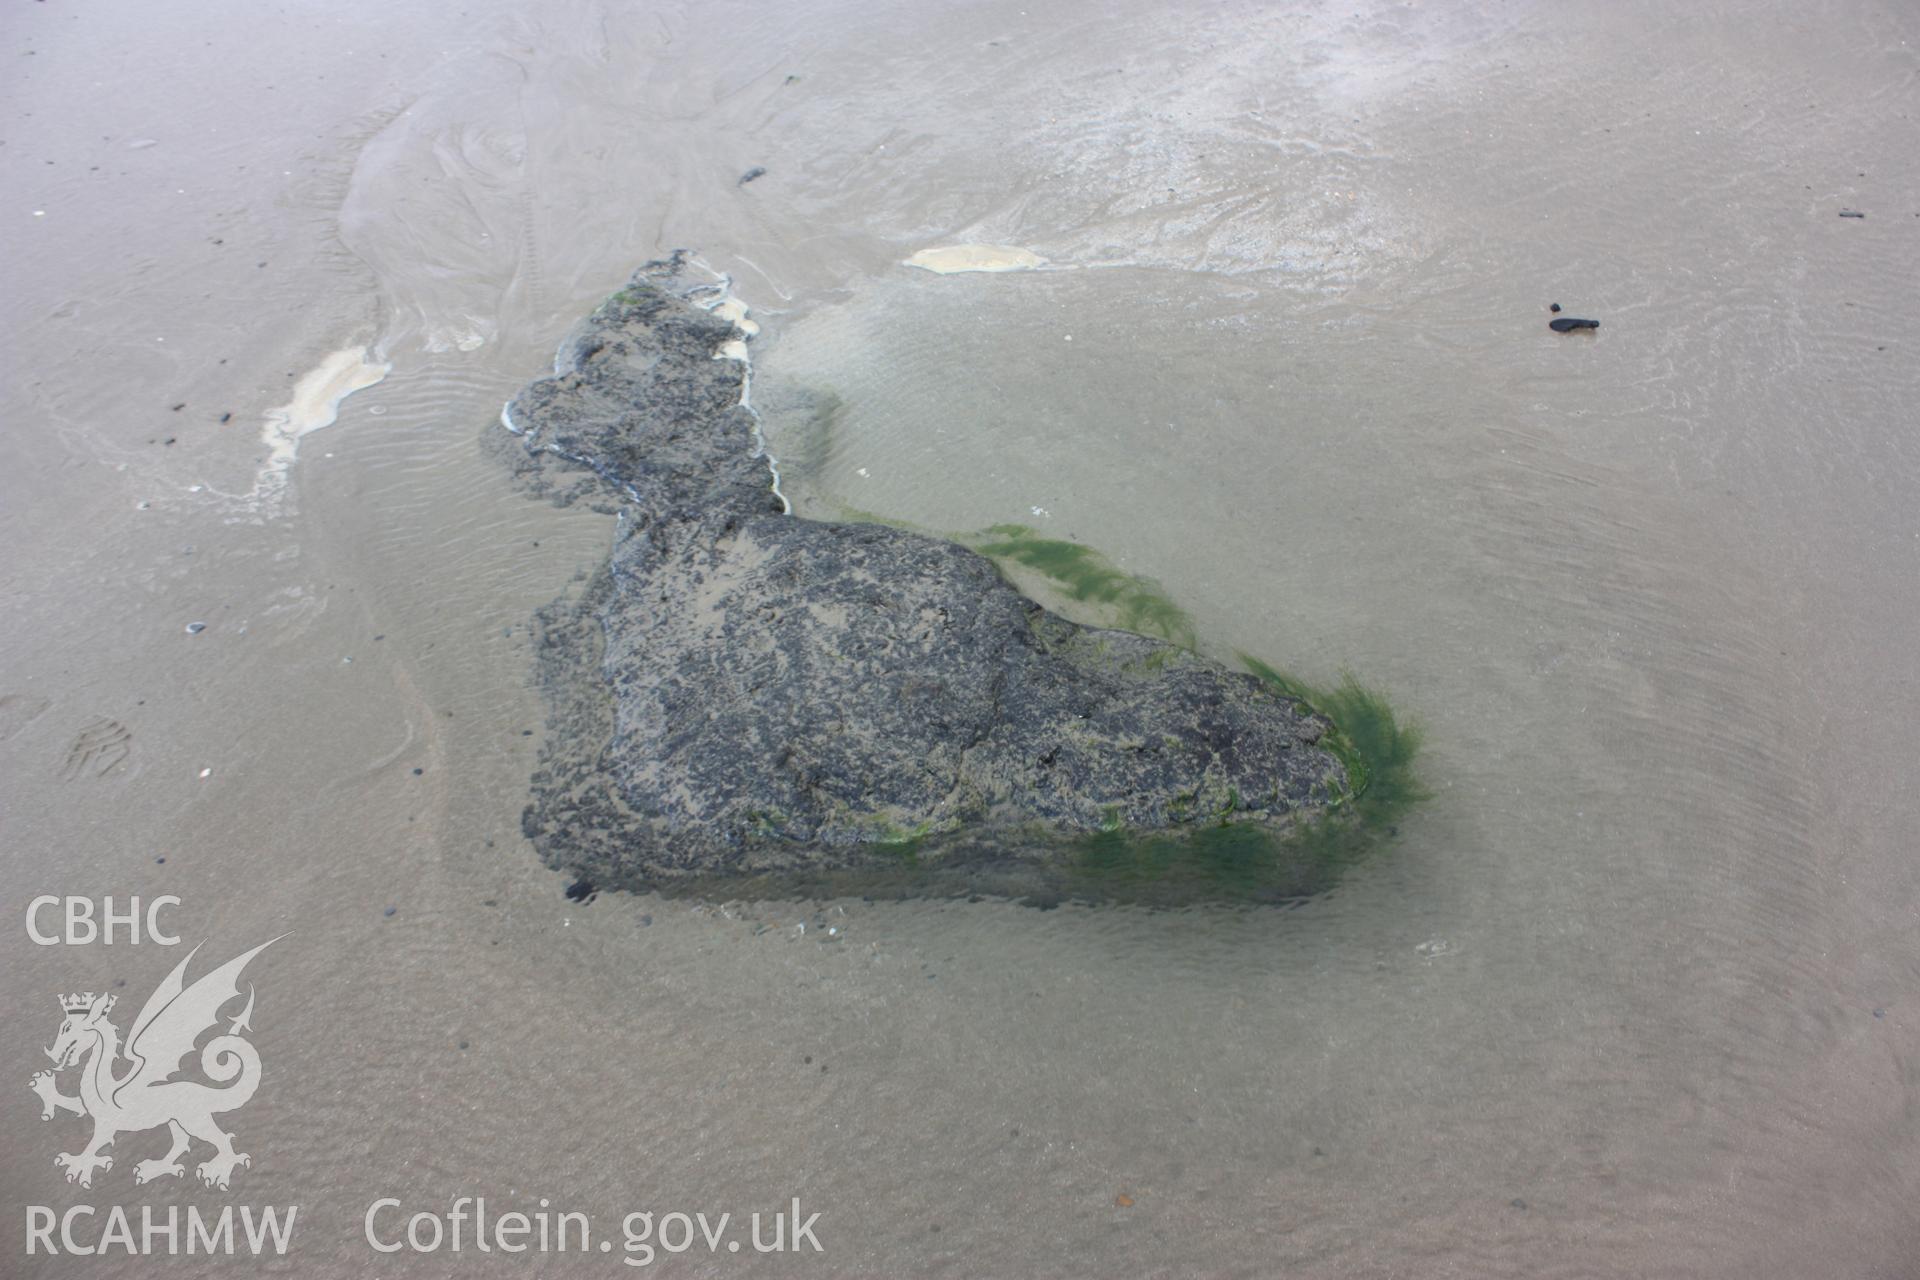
177	408
226	417
755	172
195	628
168	440
808	1059
389	911
823	1068
1567	324
463	1044
382	636
1517	1203
645	921
1851	213
1555	308
1878	1013
581	891
162	861
418	772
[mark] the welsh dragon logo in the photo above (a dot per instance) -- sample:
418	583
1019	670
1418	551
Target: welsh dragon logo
143	1094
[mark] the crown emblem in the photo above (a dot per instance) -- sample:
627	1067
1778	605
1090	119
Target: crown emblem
146	1094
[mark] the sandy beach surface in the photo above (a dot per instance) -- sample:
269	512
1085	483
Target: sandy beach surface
1637	992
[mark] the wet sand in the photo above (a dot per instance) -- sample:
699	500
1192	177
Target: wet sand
1637	992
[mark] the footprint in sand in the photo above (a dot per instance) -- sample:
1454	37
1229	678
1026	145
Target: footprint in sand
101	744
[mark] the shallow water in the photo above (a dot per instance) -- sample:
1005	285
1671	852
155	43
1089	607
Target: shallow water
1645	964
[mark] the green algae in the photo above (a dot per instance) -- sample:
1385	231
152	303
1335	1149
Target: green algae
1219	857
1134	602
1209	853
1129	601
1212	853
1376	746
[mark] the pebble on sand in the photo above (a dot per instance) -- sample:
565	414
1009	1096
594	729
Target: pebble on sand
390	911
195	628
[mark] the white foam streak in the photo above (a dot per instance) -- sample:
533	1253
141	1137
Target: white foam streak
722	302
957	258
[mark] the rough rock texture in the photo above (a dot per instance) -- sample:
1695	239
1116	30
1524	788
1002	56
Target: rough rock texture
747	693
